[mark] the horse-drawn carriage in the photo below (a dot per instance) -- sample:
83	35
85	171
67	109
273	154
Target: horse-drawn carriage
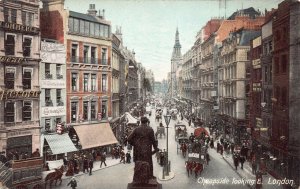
180	131
182	145
158	114
160	131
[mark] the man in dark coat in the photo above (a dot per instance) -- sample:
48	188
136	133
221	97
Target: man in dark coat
142	139
91	165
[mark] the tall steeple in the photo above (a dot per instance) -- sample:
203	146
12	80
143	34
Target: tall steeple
177	47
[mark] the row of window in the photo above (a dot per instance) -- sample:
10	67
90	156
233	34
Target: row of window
58	71
89	111
280	64
88	28
48	98
89	55
10	45
10	77
280	93
11	15
89	82
10	111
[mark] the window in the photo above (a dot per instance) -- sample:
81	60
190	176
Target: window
85	82
85	110
10	44
283	96
26	110
71	24
58	98
92	29
9	78
93	110
85	54
10	15
97	30
47	71
74	57
48	101
58	71
93	55
27	18
9	112
74	81
76	25
86	28
74	111
101	30
47	124
105	31
104	83
81	26
104	109
27	46
27	78
104	56
283	63
276	65
58	120
93	82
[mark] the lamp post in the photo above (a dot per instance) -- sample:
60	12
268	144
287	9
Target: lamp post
167	120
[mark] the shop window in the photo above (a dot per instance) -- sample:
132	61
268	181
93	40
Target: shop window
93	110
27	110
10	44
93	82
74	111
74	81
85	82
27	72
85	110
27	46
48	101
104	83
48	74
9	78
59	98
9	113
27	18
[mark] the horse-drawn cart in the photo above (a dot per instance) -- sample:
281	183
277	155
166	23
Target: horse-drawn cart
182	144
180	131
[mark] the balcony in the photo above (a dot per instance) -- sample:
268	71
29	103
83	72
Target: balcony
88	60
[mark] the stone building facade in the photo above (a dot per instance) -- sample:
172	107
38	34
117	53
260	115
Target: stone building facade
19	81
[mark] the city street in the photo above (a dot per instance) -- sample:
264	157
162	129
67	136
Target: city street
117	177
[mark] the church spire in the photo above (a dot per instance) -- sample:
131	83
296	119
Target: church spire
177	47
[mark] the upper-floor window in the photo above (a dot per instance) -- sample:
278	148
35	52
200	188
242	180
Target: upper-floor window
26	114
27	18
104	56
48	100
27	72
9	78
93	110
93	55
86	54
85	110
104	82
59	98
74	53
9	113
10	44
58	71
74	109
74	81
93	82
85	82
48	74
27	46
10	15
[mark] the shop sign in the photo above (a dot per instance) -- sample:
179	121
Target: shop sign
18	27
12	60
53	111
11	94
53	84
256	64
53	53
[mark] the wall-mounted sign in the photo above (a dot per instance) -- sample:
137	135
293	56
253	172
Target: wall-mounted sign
53	111
53	53
18	27
11	94
53	84
9	59
258	122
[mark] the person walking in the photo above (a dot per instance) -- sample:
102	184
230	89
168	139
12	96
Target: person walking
128	157
235	161
103	159
122	155
73	183
91	165
207	158
242	160
85	165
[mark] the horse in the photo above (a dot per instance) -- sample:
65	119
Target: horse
54	176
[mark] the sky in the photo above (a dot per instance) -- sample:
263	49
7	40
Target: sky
149	26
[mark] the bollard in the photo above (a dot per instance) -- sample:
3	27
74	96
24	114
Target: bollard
163	173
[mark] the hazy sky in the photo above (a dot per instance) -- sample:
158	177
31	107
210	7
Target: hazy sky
149	26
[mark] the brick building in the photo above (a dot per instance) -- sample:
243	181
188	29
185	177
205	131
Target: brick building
88	68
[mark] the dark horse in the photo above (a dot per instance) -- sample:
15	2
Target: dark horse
54	176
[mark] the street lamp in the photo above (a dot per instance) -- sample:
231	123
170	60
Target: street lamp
167	120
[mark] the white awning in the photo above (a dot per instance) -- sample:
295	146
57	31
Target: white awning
60	144
130	118
95	135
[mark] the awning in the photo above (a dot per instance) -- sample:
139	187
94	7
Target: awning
95	135
130	118
60	144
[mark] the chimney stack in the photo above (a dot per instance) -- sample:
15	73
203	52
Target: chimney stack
92	11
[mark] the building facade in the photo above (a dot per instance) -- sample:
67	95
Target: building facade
19	82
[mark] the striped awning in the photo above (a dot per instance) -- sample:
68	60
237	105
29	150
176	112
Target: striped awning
60	144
